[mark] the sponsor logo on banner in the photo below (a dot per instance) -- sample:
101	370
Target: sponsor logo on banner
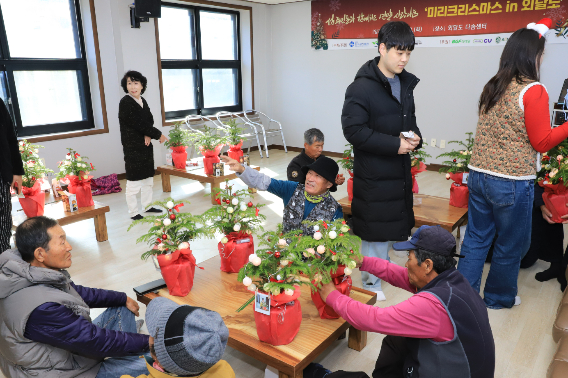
460	41
477	41
487	40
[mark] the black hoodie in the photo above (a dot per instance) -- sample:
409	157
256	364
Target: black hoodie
372	121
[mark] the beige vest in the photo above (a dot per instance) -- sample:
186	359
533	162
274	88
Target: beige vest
502	147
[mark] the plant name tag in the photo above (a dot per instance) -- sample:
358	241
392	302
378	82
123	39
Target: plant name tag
241	241
262	303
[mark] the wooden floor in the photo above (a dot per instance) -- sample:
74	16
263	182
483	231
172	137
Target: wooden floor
522	335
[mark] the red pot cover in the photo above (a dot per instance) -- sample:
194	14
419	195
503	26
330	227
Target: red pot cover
343	284
209	158
283	323
235	253
555	197
459	195
414	171
235	151
350	188
178	270
179	156
81	188
34	203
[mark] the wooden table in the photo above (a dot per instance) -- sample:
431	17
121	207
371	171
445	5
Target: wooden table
55	210
196	174
221	292
432	212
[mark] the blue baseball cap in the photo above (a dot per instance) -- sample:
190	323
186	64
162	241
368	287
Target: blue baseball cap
432	239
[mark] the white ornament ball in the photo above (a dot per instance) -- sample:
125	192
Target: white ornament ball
224	240
352	265
334	257
256	261
447	176
321	249
282	243
289	292
332	234
348	271
170	205
266	286
247	281
184	245
251	257
235	201
243	207
237	227
252	287
317	235
279	277
230	210
311	251
275	291
344	229
167	222
283	262
316	228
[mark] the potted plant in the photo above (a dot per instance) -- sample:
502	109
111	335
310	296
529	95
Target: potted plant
553	177
330	252
235	142
34	171
210	144
236	217
169	237
178	142
76	170
277	271
417	165
346	162
456	169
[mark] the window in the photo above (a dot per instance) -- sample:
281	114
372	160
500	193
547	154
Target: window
43	68
200	58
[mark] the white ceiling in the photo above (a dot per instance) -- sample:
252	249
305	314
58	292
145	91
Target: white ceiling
274	2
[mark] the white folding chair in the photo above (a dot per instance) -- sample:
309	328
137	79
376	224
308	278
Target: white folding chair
246	136
273	127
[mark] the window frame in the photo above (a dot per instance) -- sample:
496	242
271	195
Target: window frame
9	65
200	64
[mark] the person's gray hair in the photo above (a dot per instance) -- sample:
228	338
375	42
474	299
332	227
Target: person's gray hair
313	135
441	263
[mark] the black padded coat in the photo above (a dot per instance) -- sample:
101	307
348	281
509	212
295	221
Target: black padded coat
135	123
372	121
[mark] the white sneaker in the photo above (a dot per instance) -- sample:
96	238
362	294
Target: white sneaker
517	301
380	295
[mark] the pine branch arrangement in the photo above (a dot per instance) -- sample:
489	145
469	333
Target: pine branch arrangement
235	212
319	40
208	139
34	168
74	165
459	160
171	230
178	137
555	165
277	267
418	156
347	160
234	132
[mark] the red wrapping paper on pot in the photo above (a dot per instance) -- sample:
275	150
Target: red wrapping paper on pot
414	171
82	189
179	156
178	270
342	283
283	323
350	186
459	193
235	151
34	203
210	157
555	198
235	253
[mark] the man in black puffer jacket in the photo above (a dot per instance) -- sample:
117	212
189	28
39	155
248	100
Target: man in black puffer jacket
378	107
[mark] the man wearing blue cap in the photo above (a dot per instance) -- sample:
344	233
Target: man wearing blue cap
441	331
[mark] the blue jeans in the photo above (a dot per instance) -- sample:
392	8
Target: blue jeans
504	206
120	319
374	249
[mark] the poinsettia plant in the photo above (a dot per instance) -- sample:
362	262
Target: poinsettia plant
234	212
458	159
346	162
178	137
208	139
418	156
234	132
554	165
171	230
75	165
34	167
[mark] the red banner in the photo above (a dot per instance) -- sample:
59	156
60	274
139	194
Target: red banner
362	19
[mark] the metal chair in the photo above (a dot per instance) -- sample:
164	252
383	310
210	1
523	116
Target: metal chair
245	136
253	117
194	122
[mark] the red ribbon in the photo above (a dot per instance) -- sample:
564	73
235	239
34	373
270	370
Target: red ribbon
325	225
176	207
218	200
257	210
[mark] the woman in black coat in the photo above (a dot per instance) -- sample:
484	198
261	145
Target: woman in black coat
136	131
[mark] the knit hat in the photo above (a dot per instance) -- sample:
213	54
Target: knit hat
541	27
432	239
188	340
326	168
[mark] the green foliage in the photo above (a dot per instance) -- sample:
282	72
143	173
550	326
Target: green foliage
73	165
418	156
178	227
226	215
555	165
34	168
208	139
280	261
346	162
234	132
458	160
178	137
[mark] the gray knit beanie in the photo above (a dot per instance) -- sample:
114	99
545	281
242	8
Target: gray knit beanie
187	340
